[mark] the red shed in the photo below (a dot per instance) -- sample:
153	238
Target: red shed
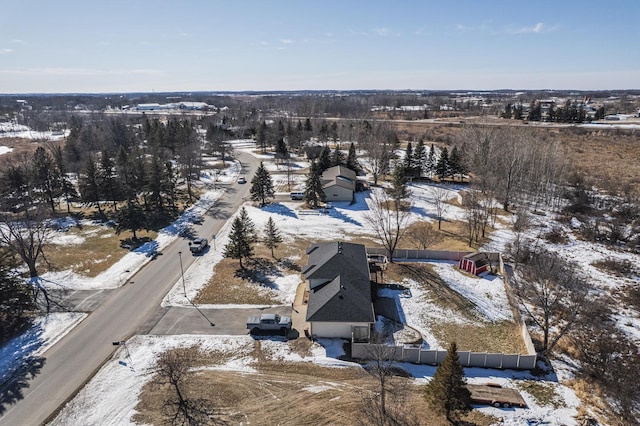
475	263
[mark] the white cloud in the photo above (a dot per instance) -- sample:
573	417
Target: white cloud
5	51
470	28
286	41
382	31
538	28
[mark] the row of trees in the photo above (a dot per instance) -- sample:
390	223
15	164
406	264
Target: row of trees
571	112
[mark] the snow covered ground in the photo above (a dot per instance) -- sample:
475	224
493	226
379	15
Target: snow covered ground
13	130
110	397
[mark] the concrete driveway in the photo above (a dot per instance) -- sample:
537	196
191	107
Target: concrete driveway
226	321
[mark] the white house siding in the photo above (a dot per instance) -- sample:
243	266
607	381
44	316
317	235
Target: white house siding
334	329
338	193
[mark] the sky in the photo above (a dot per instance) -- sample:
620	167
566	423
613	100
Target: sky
87	46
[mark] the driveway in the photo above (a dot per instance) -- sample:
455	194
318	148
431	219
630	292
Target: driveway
215	321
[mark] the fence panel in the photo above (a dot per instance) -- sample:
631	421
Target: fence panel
510	360
493	361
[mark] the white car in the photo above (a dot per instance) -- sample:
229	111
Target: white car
241	179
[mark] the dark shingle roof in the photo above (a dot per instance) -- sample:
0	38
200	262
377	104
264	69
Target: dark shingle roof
343	293
341	301
327	260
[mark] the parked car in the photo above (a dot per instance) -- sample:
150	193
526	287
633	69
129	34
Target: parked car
296	195
269	322
241	179
198	245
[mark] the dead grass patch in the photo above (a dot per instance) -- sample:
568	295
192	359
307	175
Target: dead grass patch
476	335
99	250
251	285
285	394
501	336
544	393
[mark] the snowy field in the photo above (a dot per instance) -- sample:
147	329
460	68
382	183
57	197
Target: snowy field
100	402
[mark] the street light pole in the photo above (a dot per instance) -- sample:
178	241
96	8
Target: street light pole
184	287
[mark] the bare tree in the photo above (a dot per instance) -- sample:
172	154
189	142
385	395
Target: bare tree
26	237
552	294
440	198
424	235
174	368
388	217
376	139
388	403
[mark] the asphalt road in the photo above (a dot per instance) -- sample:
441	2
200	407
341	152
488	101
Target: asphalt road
46	383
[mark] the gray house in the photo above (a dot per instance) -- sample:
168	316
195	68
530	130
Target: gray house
339	286
339	183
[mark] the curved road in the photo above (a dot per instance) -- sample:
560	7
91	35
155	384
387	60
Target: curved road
129	310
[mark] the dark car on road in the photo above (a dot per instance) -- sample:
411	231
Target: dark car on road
198	245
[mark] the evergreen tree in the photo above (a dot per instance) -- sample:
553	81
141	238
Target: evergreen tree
46	179
262	185
456	163
408	160
307	126
313	193
249	226
338	159
420	158
109	187
352	160
132	218
272	235
431	161
68	189
89	186
447	393
324	160
16	298
241	238
282	152
442	167
398	190
261	136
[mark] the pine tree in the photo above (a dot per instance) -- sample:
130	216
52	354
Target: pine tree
107	179
272	235
352	160
408	160
261	136
420	157
262	185
398	190
68	189
447	393
16	298
46	178
241	238
338	158
456	163
442	167
324	161
314	193
431	161
132	218
282	152
89	187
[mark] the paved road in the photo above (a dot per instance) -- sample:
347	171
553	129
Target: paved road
128	310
